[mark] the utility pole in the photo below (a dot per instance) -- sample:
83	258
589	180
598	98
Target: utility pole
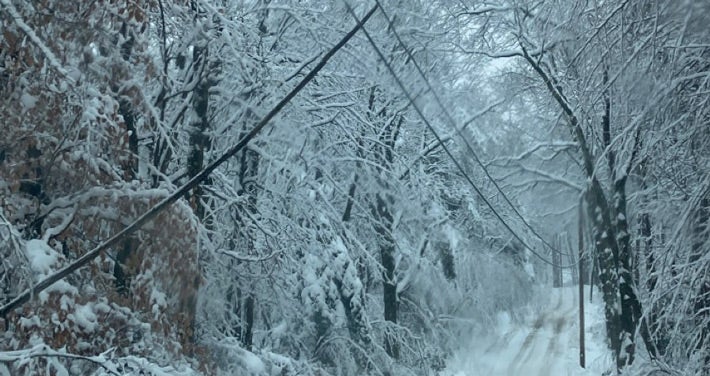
580	237
556	263
570	255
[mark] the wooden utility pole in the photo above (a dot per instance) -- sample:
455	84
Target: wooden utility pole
556	263
580	237
570	255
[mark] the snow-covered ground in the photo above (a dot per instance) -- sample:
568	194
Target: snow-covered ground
546	344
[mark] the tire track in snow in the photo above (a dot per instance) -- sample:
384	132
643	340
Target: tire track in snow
557	325
544	344
500	342
527	349
554	344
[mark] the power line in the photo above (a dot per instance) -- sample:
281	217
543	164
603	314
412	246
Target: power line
26	295
458	130
438	138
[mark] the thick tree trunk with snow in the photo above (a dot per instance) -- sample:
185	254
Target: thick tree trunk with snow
383	228
382	216
630	305
606	252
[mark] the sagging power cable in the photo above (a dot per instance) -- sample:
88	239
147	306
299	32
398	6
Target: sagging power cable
446	149
25	296
452	123
459	130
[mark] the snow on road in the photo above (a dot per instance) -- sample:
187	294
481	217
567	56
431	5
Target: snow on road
545	345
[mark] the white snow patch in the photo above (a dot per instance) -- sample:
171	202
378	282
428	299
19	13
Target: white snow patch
66	302
504	322
280	329
453	236
42	257
28	101
102	307
529	269
62	287
253	364
159	302
44	260
27	323
84	317
277	362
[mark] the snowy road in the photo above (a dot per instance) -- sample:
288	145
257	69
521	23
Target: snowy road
548	344
542	350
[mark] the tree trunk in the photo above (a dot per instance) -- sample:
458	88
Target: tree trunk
387	248
607	255
130	166
384	221
200	144
630	305
199	138
248	173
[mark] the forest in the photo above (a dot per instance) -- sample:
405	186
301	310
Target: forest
347	187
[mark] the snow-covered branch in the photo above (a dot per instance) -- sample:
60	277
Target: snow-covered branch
17	18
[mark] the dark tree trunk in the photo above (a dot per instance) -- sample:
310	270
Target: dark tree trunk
248	173
384	220
130	166
387	248
243	308
606	252
199	129
630	305
355	313
248	332
200	141
122	279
